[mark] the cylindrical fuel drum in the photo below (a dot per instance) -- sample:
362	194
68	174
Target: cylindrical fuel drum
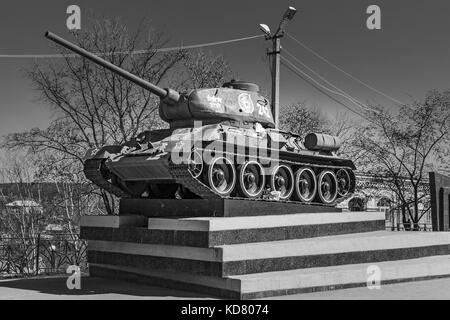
320	141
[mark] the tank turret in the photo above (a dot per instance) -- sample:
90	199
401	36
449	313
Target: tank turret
236	101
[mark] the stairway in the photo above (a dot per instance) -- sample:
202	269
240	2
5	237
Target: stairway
260	256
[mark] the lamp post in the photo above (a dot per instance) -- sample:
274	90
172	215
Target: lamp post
275	56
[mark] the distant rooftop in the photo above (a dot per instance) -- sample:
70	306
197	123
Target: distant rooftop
446	170
23	203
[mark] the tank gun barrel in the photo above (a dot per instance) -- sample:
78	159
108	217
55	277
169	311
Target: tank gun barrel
168	95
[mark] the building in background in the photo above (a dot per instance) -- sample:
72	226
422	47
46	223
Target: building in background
375	194
27	206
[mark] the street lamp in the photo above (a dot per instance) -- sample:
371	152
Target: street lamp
275	54
265	29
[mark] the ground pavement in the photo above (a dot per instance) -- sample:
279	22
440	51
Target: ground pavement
54	288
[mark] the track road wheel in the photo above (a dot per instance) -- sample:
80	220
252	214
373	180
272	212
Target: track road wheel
343	182
282	180
196	163
251	179
327	186
305	184
221	176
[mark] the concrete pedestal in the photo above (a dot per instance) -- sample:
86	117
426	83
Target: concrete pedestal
259	256
216	208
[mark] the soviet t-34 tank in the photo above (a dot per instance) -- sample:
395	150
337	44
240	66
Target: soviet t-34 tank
221	143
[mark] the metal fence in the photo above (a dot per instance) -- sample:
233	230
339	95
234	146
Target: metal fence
409	227
43	254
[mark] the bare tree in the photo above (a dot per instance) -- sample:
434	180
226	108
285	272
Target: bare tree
46	192
21	214
403	147
94	107
72	195
346	128
301	119
205	70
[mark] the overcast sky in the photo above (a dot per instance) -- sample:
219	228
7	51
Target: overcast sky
409	56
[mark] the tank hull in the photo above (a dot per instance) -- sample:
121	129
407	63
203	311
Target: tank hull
149	173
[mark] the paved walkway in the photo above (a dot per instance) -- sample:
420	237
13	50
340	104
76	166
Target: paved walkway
437	289
54	288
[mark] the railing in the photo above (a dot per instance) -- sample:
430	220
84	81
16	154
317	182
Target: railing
40	255
409	227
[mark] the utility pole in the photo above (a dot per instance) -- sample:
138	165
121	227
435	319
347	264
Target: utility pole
275	59
275	68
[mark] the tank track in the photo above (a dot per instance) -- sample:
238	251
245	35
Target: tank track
93	170
182	175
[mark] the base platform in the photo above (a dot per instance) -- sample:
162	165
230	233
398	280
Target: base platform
247	257
217	208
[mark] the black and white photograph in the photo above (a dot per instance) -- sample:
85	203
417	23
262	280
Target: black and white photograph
224	155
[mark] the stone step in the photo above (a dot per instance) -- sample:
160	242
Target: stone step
357	242
260	257
210	231
344	276
277	283
331	251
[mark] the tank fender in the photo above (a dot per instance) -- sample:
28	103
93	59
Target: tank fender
212	133
203	133
103	152
276	138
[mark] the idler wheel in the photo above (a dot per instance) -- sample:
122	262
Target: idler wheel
196	163
327	186
251	179
221	176
282	180
305	184
343	182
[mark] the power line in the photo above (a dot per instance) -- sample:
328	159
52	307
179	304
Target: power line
317	85
343	71
209	44
341	92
